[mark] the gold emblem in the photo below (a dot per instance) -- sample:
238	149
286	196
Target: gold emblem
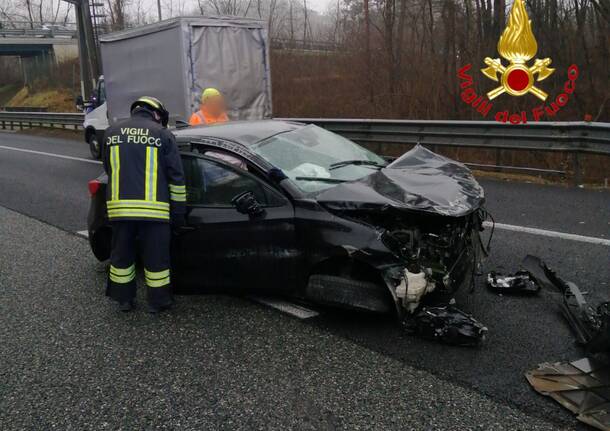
517	45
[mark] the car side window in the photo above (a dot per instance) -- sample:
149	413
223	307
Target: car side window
213	184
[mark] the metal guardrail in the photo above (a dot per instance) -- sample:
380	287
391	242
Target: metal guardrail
580	137
24	108
21	120
573	138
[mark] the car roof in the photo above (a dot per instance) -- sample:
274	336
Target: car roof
243	132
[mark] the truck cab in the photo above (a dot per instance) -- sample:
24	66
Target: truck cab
96	119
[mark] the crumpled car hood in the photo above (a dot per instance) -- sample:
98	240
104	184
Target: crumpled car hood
419	180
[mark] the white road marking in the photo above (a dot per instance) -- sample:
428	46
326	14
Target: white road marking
286	307
550	233
59	156
83	233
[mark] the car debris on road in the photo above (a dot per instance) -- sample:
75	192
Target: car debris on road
520	283
581	386
591	325
447	324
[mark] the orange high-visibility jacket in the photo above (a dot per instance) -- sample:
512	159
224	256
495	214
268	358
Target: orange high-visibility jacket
201	117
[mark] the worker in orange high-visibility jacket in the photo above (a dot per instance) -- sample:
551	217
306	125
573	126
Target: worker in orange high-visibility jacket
145	192
212	109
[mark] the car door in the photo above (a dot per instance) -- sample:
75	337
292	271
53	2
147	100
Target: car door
222	249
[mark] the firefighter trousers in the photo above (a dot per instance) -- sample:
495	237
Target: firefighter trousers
154	239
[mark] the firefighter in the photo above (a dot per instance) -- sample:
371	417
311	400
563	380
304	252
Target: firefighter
212	109
145	193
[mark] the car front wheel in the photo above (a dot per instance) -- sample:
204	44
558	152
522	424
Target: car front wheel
349	293
94	146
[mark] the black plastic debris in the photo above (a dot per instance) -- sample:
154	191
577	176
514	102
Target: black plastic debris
591	325
581	386
446	324
520	283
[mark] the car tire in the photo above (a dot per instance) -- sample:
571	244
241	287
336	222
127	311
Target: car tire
101	243
94	146
349	293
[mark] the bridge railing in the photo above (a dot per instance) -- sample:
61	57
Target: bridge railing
36	24
575	150
37	33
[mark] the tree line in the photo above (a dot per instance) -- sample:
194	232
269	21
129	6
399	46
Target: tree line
394	58
400	59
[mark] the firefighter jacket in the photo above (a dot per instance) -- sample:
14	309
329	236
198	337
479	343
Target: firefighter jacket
145	175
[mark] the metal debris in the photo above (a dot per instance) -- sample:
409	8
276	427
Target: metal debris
520	283
447	324
591	325
582	386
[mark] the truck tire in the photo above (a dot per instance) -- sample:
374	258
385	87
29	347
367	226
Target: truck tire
94	146
349	293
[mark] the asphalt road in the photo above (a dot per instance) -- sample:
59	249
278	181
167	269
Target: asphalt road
69	360
229	360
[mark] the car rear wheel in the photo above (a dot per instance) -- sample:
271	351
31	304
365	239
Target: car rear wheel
101	243
94	146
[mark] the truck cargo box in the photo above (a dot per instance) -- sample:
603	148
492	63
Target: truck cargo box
175	59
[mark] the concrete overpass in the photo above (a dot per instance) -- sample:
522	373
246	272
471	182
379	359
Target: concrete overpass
57	48
38	49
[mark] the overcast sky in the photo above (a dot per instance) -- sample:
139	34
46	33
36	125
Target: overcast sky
186	5
148	8
319	5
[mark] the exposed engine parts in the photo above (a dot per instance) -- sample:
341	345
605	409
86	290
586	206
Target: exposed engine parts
445	250
440	255
411	289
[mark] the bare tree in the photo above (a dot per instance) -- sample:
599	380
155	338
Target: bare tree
117	11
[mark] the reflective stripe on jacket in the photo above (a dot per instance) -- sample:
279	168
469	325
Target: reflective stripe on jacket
145	175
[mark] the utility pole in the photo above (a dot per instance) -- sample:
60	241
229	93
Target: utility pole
367	35
159	8
87	49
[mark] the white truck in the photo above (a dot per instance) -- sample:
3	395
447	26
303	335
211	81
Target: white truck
174	60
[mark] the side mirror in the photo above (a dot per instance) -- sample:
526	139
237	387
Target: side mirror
88	106
246	203
180	124
79	102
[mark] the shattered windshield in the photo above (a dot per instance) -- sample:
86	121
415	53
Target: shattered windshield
316	159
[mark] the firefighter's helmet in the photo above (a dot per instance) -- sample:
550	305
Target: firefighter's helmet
154	104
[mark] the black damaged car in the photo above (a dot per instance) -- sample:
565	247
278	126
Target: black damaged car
295	210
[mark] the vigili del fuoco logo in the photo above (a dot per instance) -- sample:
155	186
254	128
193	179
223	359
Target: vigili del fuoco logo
518	46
